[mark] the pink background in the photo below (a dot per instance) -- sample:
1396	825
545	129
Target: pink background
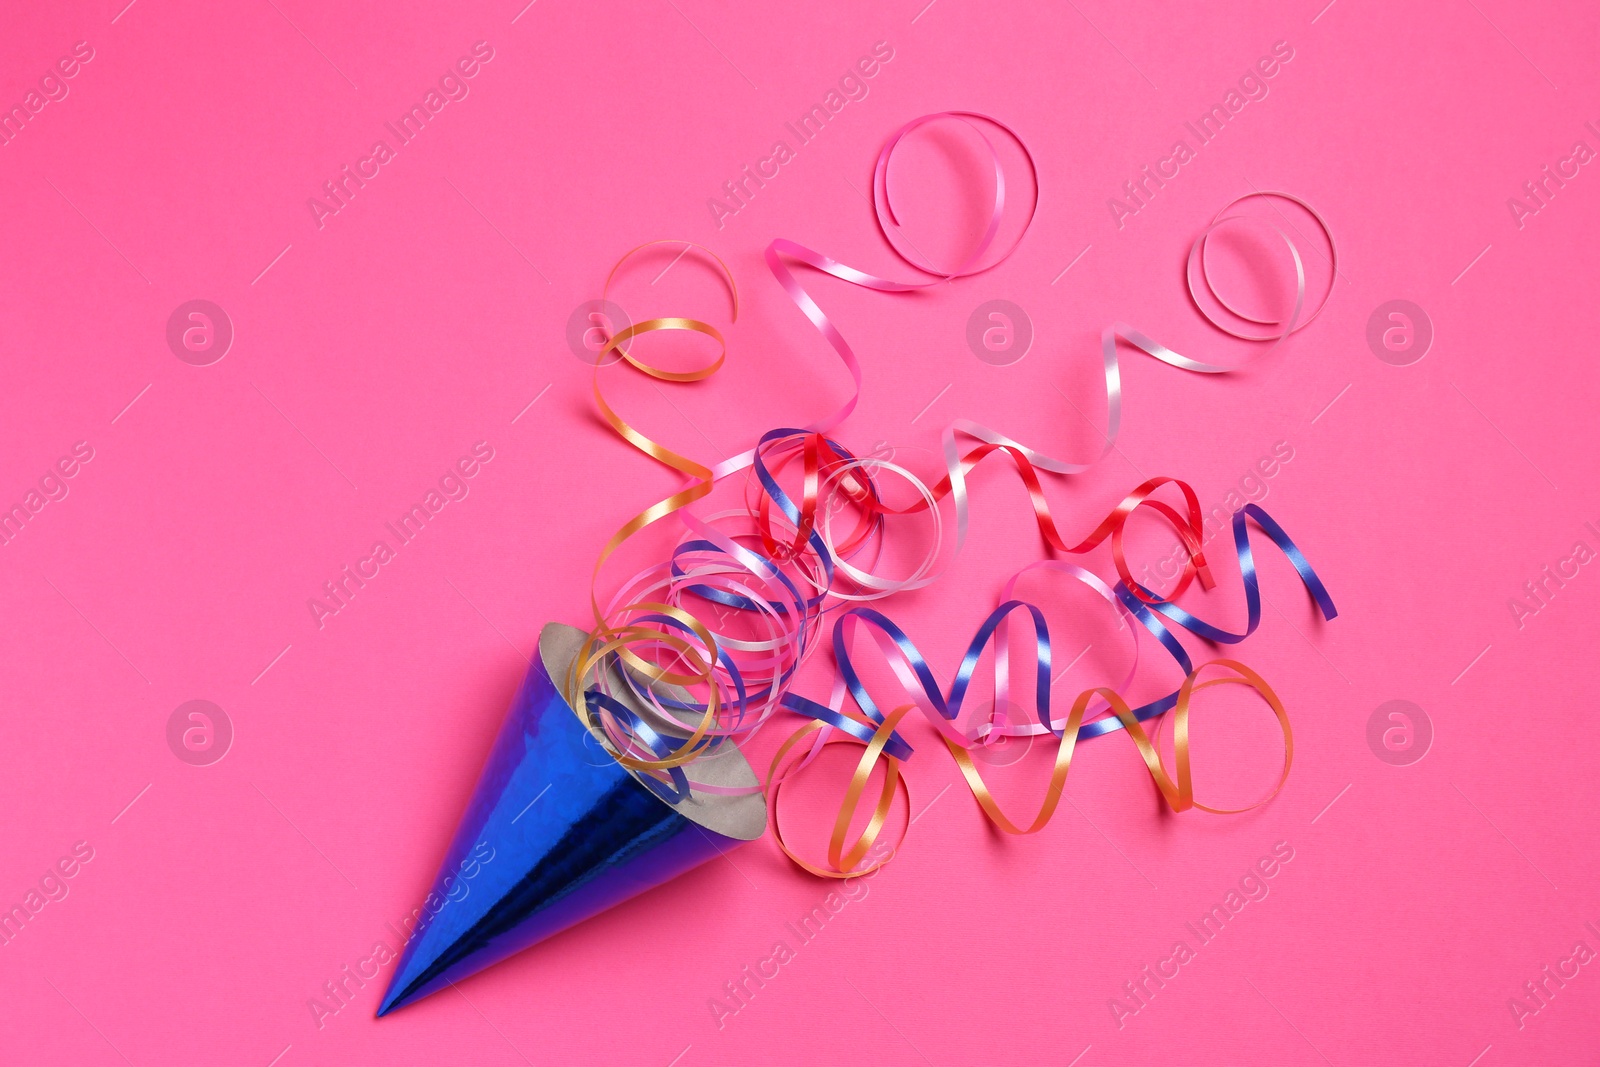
425	316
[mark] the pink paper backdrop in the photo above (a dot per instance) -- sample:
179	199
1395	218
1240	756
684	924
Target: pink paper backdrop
374	346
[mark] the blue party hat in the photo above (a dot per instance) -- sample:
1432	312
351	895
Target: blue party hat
557	831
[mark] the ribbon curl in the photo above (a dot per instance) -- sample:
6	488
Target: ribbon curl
780	567
941	709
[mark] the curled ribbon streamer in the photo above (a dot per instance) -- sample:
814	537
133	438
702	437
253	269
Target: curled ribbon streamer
883	207
941	710
737	682
1252	584
1176	788
854	478
914	672
844	862
702	567
655	451
1188	527
1179	795
1198	276
607	641
781	249
1028	460
652	634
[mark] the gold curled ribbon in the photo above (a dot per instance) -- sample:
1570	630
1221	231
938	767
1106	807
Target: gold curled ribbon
842	861
655	450
1177	789
605	639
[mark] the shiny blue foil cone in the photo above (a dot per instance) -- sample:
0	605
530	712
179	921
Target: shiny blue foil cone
557	831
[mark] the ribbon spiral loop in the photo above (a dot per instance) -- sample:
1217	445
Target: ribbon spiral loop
708	642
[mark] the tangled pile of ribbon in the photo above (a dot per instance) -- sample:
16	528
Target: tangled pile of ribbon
710	639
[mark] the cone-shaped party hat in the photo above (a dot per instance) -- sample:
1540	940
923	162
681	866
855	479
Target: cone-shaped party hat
557	831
